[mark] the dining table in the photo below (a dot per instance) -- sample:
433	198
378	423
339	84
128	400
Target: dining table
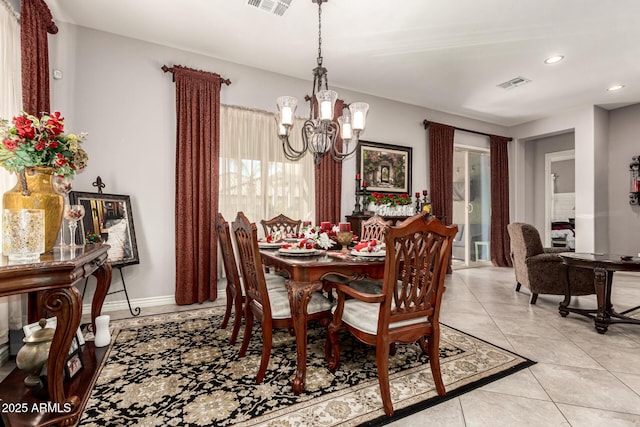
306	271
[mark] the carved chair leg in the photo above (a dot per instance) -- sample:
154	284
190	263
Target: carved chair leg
227	313
518	286
534	298
267	338
332	347
433	344
237	321
382	362
248	329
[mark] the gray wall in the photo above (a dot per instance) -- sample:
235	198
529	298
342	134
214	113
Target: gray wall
565	171
535	151
624	143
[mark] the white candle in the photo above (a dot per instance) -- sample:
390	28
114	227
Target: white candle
325	110
358	120
346	131
286	116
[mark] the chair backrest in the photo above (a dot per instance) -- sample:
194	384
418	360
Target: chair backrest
417	257
373	228
246	235
525	240
228	257
281	222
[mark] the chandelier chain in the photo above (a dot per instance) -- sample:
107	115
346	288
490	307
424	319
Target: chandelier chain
319	33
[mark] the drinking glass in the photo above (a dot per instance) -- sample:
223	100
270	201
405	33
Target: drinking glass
62	185
73	214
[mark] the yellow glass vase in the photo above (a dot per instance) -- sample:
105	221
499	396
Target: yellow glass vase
34	190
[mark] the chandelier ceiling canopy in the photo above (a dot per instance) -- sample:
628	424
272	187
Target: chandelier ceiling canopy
320	131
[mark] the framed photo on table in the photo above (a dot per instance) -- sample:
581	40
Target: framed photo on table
73	364
108	219
385	168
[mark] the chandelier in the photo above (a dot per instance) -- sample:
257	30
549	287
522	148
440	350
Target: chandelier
320	132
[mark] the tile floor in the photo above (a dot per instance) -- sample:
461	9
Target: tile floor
582	378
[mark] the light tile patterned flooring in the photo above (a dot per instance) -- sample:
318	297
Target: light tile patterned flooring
582	378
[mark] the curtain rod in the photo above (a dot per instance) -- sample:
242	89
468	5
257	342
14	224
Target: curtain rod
426	124
222	80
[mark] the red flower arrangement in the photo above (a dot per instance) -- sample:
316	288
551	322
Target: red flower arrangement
32	142
391	199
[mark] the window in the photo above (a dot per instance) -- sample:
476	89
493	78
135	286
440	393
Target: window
255	176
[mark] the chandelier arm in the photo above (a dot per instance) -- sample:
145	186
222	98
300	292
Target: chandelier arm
289	151
341	156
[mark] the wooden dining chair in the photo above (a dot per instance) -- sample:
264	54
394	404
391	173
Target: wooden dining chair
281	222
373	228
408	307
235	297
269	306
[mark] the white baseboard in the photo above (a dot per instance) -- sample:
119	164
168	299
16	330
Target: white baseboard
109	306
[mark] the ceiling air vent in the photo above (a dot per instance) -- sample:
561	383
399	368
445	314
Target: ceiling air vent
277	7
515	82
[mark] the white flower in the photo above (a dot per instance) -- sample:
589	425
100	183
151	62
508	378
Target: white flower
324	241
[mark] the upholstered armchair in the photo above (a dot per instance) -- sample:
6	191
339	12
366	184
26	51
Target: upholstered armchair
541	269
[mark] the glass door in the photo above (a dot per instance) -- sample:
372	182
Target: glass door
471	207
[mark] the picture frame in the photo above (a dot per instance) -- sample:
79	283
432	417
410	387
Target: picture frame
108	217
385	167
73	364
52	322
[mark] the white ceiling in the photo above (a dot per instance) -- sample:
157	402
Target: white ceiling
447	55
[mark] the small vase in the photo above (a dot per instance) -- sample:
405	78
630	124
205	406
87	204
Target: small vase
34	190
102	334
34	353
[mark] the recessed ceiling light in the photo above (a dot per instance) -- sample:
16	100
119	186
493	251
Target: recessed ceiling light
614	88
554	59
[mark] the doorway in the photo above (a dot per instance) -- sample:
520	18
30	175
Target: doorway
560	199
471	206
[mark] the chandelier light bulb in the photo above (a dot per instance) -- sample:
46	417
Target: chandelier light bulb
286	109
359	112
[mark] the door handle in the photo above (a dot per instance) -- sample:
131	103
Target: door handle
469	208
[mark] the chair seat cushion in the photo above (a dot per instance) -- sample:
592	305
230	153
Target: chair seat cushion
281	309
364	316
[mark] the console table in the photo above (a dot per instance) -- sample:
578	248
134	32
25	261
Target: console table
53	279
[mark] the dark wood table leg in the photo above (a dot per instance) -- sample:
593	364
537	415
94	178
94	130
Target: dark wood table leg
600	283
299	297
66	305
103	276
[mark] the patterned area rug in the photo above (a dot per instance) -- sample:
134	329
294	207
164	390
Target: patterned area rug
178	369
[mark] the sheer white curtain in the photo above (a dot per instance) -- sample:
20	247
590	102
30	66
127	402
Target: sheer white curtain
255	176
11	314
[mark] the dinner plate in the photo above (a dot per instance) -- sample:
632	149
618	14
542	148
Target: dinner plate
292	240
369	254
270	245
298	252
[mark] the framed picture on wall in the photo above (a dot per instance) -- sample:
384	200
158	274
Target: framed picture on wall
386	168
108	219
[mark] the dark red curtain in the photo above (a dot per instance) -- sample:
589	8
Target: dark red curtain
329	181
35	22
500	243
197	183
441	170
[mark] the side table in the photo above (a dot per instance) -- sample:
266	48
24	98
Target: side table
53	279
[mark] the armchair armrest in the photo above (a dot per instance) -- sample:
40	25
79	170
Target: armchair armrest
361	296
546	258
554	250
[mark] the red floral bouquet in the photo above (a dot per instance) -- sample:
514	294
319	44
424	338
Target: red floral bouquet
41	142
390	199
